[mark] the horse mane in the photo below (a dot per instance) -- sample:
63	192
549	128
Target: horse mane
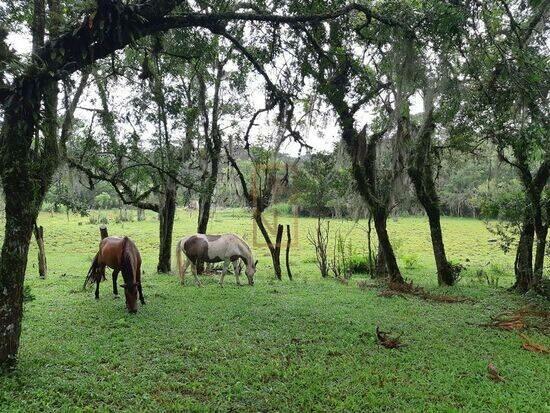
245	245
126	263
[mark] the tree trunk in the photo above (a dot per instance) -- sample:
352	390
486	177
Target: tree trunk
167	213
380	270
273	249
42	265
13	263
205	202
540	252
444	270
25	178
288	241
380	220
524	258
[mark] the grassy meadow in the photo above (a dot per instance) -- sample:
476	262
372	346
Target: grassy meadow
306	345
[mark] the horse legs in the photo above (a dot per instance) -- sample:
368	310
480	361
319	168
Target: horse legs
100	275
115	286
138	279
224	271
141	298
194	270
183	270
237	270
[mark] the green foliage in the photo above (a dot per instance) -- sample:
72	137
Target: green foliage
103	201
360	264
318	183
280	208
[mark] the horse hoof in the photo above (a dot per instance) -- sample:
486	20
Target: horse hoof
116	296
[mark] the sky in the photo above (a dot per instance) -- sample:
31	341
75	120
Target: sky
322	136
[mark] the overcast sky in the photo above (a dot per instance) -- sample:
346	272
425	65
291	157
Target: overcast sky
322	137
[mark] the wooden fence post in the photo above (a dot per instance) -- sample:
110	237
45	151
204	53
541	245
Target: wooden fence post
288	252
42	265
103	231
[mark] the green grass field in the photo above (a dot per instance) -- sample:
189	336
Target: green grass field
306	345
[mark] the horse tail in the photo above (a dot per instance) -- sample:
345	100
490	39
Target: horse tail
92	276
179	256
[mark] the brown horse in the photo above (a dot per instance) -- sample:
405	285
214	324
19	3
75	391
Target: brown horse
122	255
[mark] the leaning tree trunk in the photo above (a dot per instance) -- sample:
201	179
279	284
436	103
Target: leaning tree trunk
380	220
444	270
167	213
380	270
426	194
524	258
274	250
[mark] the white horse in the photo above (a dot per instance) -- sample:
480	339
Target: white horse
201	248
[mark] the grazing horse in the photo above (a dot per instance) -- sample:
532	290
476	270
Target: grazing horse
122	255
202	248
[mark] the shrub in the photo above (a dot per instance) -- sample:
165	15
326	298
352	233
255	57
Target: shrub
359	264
281	208
124	216
98	219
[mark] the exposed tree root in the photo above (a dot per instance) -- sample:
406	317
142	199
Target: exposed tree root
394	289
520	319
410	289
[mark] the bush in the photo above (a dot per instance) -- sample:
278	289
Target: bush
124	216
281	208
360	264
98	219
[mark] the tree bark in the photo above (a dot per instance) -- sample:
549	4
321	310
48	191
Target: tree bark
273	249
205	202
288	241
25	178
380	221
13	263
524	258
42	264
540	253
380	270
167	213
425	192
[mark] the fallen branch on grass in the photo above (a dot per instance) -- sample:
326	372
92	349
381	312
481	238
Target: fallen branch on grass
530	345
385	340
410	289
520	319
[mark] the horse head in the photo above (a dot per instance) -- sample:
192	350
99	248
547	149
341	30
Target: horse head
250	271
131	294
